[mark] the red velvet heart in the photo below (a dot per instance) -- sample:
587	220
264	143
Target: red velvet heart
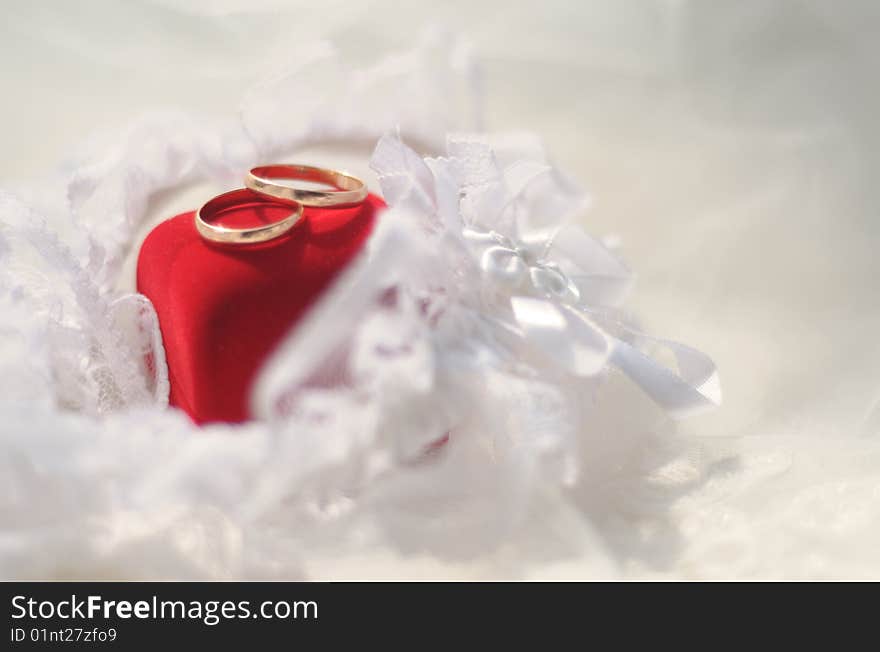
223	308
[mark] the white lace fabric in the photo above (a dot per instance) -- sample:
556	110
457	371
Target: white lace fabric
447	401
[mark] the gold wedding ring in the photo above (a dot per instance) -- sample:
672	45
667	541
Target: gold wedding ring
252	235
347	189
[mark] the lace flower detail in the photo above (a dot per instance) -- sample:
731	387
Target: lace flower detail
516	257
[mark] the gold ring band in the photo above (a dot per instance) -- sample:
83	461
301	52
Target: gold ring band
238	198
348	189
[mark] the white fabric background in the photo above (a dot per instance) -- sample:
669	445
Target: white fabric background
731	146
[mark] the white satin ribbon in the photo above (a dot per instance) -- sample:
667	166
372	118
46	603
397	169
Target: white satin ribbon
556	283
563	335
520	267
548	313
695	388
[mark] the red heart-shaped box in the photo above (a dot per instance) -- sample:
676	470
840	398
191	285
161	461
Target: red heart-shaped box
223	308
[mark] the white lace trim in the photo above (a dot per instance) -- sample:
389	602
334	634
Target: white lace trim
483	314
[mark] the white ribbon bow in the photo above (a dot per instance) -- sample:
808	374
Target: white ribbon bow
560	283
520	266
547	308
